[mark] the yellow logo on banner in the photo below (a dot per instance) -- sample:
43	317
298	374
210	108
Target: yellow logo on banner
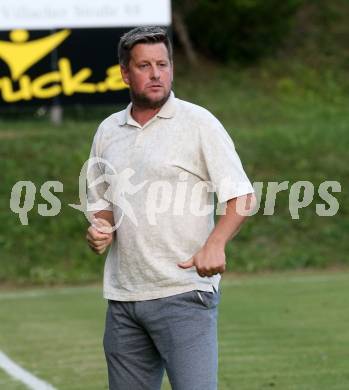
20	54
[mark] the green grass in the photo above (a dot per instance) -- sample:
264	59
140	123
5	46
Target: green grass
283	330
288	122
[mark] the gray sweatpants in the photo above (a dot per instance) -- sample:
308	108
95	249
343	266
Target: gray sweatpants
176	333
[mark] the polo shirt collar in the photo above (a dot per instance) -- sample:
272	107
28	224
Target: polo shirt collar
167	111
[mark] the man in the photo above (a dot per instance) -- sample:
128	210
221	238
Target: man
163	268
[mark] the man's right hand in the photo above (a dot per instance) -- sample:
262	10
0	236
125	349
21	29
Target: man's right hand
98	237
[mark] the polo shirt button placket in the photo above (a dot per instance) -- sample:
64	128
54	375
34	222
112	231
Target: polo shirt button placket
138	139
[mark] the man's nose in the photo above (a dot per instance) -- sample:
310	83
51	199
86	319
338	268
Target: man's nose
155	74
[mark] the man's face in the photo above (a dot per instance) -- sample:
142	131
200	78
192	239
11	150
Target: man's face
149	75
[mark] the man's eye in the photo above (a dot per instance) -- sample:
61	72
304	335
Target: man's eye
163	64
143	66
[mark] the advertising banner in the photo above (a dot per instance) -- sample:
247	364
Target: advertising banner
67	51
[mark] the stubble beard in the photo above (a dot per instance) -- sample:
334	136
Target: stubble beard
142	101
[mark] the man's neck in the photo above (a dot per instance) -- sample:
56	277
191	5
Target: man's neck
142	115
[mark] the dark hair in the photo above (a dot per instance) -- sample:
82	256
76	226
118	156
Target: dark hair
149	35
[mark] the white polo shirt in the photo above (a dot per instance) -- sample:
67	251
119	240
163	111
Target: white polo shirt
158	179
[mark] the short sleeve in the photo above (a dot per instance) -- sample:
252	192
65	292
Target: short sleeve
222	163
97	185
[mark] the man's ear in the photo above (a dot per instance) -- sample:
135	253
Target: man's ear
124	74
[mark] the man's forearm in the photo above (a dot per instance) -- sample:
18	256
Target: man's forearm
229	224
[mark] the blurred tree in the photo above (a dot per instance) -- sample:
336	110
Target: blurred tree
181	31
243	30
320	35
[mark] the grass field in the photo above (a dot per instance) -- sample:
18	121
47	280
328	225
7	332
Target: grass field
286	331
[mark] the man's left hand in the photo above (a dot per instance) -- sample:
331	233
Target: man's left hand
209	260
